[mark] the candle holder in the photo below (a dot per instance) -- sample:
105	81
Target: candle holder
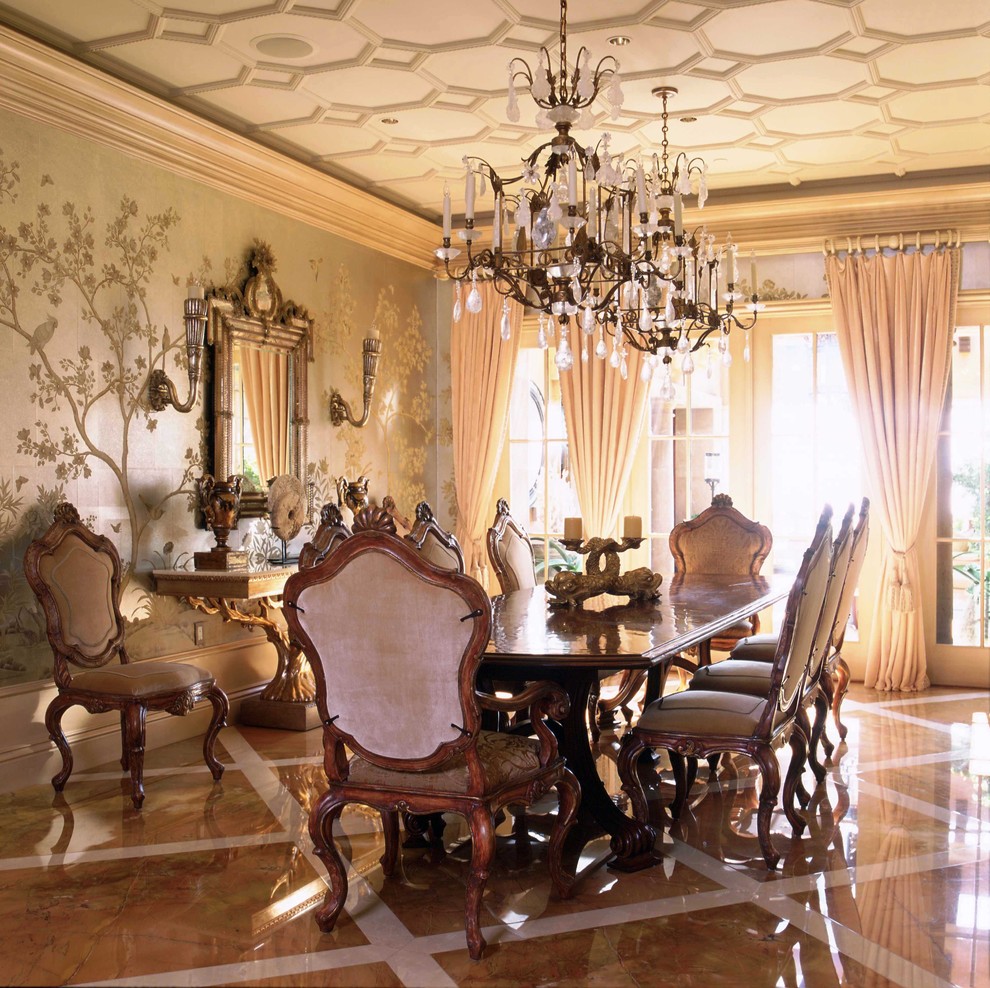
602	574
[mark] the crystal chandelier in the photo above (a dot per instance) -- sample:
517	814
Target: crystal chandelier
593	240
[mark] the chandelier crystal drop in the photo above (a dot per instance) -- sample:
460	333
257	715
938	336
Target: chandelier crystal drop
596	240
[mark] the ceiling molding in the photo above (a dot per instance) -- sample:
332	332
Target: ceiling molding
789	225
55	89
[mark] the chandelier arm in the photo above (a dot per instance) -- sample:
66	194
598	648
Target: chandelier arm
523	71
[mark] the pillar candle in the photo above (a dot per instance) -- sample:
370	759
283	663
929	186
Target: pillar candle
573	528
196	291
469	195
632	527
497	224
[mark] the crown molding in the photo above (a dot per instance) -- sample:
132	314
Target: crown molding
800	224
55	89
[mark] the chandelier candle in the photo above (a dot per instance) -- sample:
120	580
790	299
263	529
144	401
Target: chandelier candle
599	238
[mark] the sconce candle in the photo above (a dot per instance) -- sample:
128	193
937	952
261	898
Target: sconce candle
195	291
573	529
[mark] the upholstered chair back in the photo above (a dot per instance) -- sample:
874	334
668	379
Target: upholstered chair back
434	543
841	554
510	551
394	643
76	574
804	612
861	537
720	540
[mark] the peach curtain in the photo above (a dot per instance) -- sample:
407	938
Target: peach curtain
604	416
481	368
265	376
894	316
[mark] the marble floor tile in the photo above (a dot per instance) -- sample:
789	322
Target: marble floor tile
217	884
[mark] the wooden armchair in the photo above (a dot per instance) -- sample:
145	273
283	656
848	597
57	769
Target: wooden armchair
395	643
75	574
721	540
701	723
510	551
434	543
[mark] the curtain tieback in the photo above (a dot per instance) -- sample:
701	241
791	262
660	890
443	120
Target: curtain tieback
900	591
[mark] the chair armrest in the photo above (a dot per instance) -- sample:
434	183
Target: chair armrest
544	699
557	703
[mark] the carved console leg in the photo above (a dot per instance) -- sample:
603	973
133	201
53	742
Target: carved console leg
568	800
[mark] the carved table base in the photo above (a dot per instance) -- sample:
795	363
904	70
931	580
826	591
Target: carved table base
288	702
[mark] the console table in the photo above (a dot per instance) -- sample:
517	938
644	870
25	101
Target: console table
289	700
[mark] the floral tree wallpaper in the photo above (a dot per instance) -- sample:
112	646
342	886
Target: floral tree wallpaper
92	274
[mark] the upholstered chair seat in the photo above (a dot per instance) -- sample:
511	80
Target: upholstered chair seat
505	759
395	642
756	648
701	723
741	676
76	575
140	679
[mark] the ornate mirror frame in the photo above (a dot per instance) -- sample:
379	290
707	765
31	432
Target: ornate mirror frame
257	316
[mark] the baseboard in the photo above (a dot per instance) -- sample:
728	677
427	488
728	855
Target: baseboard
28	757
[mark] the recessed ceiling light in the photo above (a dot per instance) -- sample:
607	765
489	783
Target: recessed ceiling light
620	40
283	46
688	119
389	121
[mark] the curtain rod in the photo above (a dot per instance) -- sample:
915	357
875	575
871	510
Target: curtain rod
895	241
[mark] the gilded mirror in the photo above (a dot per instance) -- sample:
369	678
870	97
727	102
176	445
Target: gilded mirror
264	409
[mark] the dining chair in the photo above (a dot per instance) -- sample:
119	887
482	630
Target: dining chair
752	676
721	540
510	551
329	534
835	677
701	723
76	575
395	643
433	542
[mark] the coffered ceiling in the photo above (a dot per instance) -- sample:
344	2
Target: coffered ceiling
390	94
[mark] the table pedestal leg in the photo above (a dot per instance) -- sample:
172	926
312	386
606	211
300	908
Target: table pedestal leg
288	702
632	841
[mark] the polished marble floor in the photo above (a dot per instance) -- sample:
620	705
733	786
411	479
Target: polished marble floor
216	884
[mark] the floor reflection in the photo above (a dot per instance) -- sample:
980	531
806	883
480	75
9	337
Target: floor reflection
216	884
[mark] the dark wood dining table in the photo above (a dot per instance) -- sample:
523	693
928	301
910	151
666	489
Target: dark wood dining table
576	647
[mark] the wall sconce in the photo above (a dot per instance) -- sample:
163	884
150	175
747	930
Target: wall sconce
161	390
340	411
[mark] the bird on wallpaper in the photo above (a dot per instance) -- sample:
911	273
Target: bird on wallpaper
43	334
